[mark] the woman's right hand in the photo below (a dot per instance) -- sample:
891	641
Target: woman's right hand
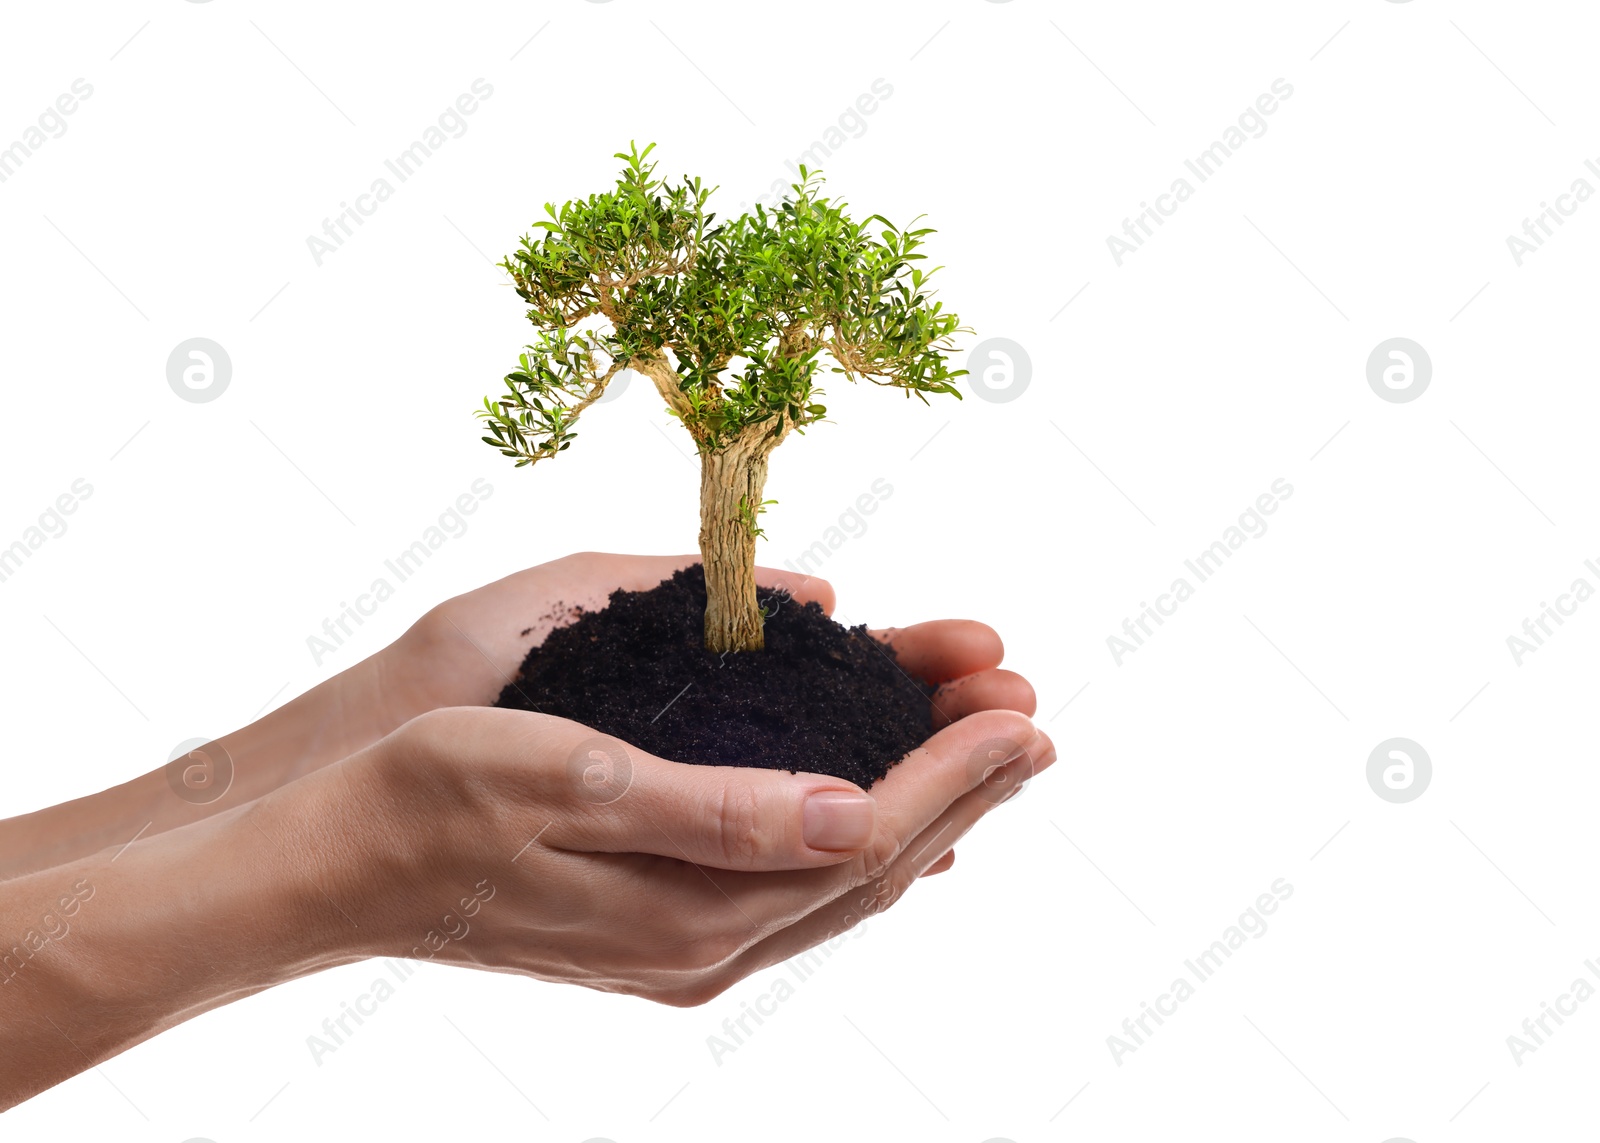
525	843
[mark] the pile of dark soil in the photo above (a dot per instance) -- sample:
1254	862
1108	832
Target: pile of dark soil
821	698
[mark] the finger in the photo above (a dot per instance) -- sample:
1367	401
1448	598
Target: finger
956	760
804	588
584	791
942	864
978	757
845	912
624	800
998	786
944	649
994	689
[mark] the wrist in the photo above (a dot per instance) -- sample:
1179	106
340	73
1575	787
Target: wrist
421	838
331	721
110	950
243	901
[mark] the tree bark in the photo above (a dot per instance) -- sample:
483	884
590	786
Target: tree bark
731	484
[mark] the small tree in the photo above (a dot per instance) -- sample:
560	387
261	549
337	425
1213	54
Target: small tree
731	323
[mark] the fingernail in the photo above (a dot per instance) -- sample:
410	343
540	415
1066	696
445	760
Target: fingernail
839	820
1040	750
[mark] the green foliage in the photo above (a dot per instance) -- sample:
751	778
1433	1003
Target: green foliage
750	311
748	516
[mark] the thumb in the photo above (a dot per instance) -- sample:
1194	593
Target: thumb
726	817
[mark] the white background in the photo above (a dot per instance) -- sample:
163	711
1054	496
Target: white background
1228	352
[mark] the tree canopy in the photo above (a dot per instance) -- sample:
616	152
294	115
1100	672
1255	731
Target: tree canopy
751	310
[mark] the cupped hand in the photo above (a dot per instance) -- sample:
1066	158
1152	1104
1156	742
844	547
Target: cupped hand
524	843
464	651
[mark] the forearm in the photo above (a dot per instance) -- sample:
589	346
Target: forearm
106	951
327	723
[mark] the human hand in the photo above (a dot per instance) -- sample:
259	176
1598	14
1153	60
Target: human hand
465	650
524	843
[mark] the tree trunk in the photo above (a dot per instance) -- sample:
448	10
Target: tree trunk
731	483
